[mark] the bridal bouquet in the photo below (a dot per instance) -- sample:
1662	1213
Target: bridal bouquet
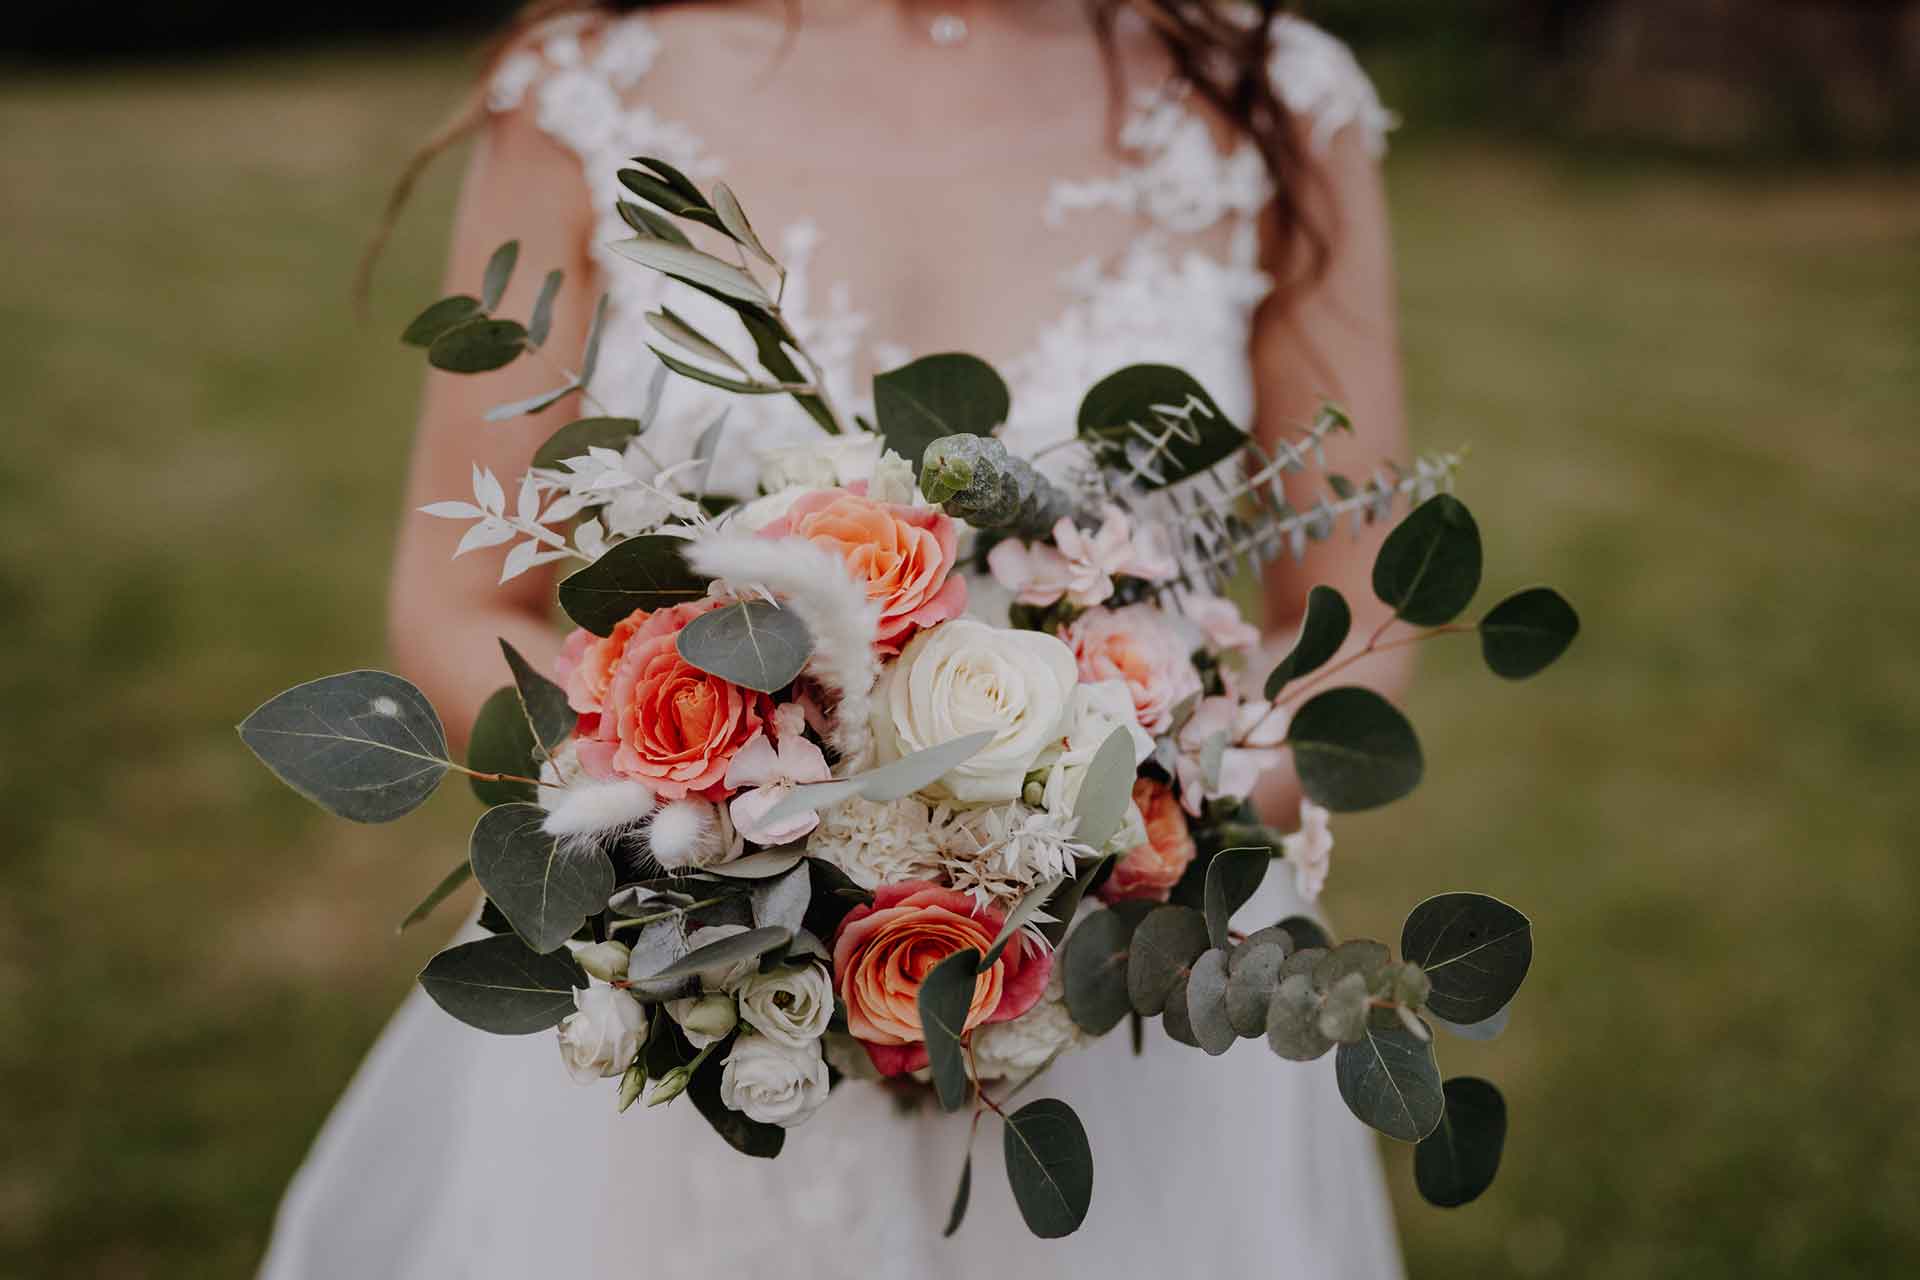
921	765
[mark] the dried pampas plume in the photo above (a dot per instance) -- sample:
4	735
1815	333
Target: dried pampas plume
814	583
587	810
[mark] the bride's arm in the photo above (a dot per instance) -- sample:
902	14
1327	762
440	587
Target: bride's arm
1337	341
445	614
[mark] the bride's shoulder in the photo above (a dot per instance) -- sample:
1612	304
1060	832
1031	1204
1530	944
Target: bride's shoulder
595	51
1317	78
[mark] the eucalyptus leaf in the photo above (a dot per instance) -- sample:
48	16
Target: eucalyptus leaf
736	949
961	1195
1207	1010
1050	1167
1066	899
1165	944
1322	631
532	404
946	995
647	572
1094	971
1353	750
501	742
1458	1160
1174	1018
440	317
1429	566
780	902
1475	950
1233	877
449	884
1273	933
658	946
1159	419
1253	974
694	267
892	781
761	865
498	985
742	1133
1524	634
596	330
1486	1029
755	644
1106	791
1025	910
1361	956
1389	1079
1293	1019
493	286
1306	932
583	434
938	395
479	345
540	323
546	886
364	745
1343	1009
543	702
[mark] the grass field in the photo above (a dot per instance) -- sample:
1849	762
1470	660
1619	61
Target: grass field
1693	401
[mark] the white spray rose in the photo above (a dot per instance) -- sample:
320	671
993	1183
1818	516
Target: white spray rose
603	1035
792	1006
964	677
772	1082
819	464
1096	711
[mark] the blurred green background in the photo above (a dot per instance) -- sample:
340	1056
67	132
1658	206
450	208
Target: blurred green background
1692	392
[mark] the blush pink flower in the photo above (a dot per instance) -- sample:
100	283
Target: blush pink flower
1140	647
772	767
1150	871
883	952
904	554
1080	566
1219	620
1251	739
663	721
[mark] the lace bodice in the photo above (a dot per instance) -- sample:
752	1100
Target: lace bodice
1178	283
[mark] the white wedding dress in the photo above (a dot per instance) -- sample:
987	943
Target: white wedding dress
456	1154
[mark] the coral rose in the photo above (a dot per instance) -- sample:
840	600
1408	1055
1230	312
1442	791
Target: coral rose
883	952
1151	870
904	554
1138	645
585	665
663	721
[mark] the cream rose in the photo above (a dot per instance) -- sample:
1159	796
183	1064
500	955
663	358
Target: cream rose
772	1082
964	677
792	1006
602	1037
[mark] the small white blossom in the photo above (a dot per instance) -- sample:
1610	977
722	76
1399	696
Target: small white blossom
602	1037
1310	850
878	844
792	1006
772	1082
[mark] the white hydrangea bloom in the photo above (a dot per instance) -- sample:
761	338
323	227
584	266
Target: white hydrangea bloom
878	843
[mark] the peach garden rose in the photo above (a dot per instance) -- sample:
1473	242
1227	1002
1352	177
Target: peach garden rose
883	952
1150	871
1139	646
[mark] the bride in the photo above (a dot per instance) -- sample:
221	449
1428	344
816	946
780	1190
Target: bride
1062	187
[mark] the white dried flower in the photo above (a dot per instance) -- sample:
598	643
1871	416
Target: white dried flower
999	855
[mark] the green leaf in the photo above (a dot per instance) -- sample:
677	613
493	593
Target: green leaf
543	702
1167	941
1353	750
1049	1167
676	330
961	1194
440	317
532	404
1273	933
1233	876
1475	950
1094	970
590	359
1343	1009
582	434
540	323
1293	1019
1306	932
501	742
498	985
364	745
1031	905
1174	1018
738	386
478	346
1458	1160
1524	634
938	395
695	268
1322	632
545	886
892	781
493	285
672	191
747	1136
1066	898
1207	1003
649	222
1362	956
1253	975
1388	1078
1485	1029
769	344
1429	566
736	949
763	865
1162	420
734	219
1106	791
647	572
945	996
780	902
449	884
755	644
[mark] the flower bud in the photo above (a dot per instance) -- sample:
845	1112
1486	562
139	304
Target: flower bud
706	1018
606	961
669	1086
631	1083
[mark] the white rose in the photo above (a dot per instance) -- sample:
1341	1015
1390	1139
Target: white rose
964	677
819	464
763	511
893	481
772	1082
792	1006
603	1037
1096	711
706	1019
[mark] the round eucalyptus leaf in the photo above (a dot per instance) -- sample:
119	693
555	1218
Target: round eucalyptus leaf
1273	935
1343	1009
1233	876
1524	634
1475	951
755	644
1458	1160
1094	971
1304	961
1174	1019
1253	975
1362	956
1050	1167
1429	566
1486	1029
478	346
1305	932
1206	1001
546	886
781	901
718	957
935	396
365	745
544	702
946	994
1167	941
501	742
647	572
762	864
1353	750
1389	1079
1106	791
440	317
497	984
1157	423
1322	631
1293	1020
